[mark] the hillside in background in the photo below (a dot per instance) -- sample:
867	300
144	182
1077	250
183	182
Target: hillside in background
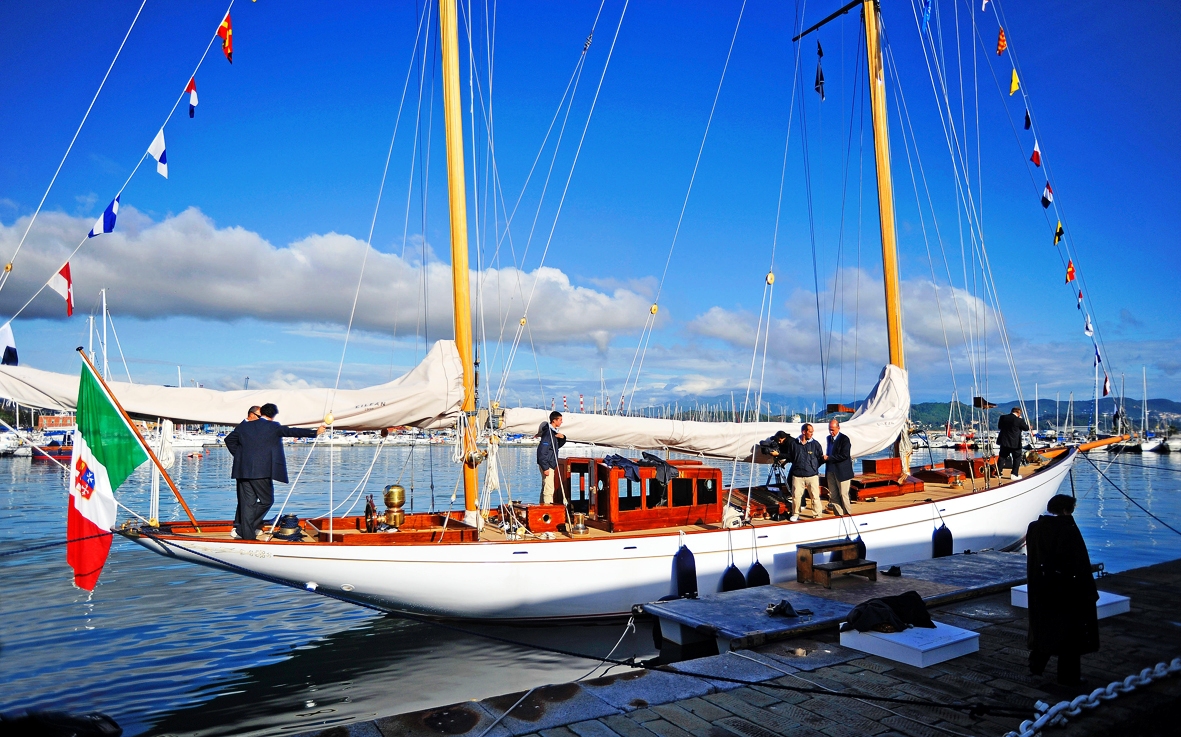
1161	412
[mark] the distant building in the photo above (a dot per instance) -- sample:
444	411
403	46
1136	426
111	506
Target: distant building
55	422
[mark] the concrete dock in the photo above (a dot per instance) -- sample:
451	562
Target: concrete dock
693	701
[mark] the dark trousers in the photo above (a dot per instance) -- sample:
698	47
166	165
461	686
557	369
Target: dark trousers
1069	665
255	497
1015	454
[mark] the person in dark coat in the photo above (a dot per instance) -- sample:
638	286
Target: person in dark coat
1062	593
547	454
838	468
257	447
1009	428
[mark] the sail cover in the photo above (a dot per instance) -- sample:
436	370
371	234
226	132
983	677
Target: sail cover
874	426
429	396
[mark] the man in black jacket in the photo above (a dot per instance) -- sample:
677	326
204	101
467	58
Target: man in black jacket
838	468
547	455
257	447
1062	593
1009	429
805	457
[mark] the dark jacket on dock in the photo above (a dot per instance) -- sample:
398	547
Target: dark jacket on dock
547	449
257	447
1009	428
1062	593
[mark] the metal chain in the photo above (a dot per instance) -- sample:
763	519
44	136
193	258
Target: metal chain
1056	715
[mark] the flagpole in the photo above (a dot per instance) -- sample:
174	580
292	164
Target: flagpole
143	443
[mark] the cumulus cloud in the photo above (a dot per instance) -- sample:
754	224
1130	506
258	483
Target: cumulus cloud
185	265
934	318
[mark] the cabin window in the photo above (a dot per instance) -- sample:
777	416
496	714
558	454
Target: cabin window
628	499
707	491
657	494
682	492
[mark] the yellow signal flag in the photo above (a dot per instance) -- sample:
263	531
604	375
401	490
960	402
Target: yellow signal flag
1058	233
1014	85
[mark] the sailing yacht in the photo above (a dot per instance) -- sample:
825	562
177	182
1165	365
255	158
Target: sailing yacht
610	540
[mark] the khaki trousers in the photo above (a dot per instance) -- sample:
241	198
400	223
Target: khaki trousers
547	485
838	494
812	484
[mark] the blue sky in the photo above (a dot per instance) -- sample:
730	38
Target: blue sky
243	263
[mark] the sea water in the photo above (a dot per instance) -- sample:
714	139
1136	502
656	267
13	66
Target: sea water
166	647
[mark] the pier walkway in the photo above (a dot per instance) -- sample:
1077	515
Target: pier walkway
655	702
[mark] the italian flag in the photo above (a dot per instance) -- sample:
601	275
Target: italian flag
106	452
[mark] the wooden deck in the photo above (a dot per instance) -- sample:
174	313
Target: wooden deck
430	528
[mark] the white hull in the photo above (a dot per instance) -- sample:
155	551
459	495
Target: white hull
598	577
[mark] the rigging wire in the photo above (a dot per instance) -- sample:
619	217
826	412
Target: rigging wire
70	147
650	323
138	164
807	162
967	199
1059	208
569	177
1127	496
329	401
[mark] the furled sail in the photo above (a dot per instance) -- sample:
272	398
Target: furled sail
874	427
428	396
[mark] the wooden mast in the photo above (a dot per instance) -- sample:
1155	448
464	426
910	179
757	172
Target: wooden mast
881	145
457	198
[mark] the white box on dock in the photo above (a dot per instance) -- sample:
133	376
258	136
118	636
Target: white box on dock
1109	604
917	646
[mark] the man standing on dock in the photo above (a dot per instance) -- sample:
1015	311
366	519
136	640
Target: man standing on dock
257	447
1009	428
838	468
1062	593
547	454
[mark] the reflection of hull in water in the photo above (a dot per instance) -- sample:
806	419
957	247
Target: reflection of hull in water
605	576
390	666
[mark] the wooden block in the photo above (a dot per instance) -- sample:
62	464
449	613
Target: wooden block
917	646
885	466
973	467
542	517
940	475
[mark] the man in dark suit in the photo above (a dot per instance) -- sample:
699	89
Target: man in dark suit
838	468
1009	428
257	447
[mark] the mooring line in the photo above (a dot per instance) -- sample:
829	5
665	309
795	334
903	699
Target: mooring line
54	543
1128	497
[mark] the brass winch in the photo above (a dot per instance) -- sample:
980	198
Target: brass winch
395	498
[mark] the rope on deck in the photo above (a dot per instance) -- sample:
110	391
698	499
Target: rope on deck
1056	715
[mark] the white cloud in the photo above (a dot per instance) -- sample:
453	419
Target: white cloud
186	265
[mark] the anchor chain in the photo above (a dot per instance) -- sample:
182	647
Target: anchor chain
1056	715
